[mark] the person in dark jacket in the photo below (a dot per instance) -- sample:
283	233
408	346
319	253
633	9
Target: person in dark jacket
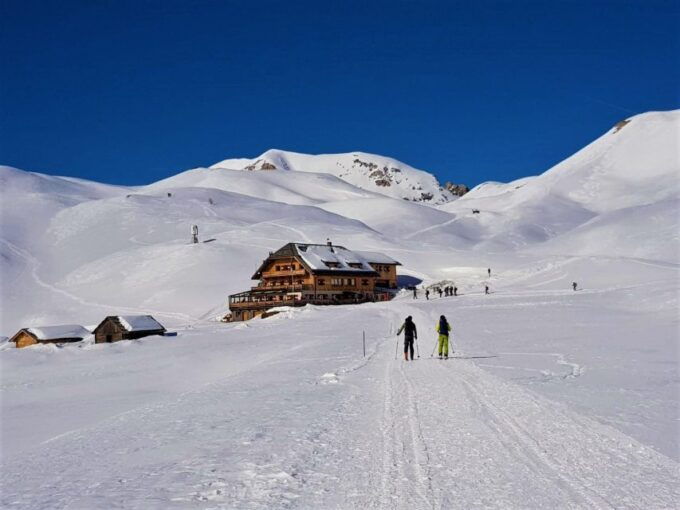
410	332
415	292
427	294
455	290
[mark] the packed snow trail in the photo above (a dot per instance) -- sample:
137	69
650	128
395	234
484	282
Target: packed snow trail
298	418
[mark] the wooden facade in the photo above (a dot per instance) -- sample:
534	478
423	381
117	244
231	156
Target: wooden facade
288	278
113	329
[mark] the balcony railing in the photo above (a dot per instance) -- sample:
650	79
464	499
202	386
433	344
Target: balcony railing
287	286
287	272
260	300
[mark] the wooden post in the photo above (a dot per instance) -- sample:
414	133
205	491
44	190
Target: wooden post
364	341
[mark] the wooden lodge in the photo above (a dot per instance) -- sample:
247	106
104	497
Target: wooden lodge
126	327
298	274
65	333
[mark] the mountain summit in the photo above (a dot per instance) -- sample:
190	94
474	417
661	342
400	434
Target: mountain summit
370	172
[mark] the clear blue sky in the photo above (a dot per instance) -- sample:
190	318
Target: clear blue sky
132	91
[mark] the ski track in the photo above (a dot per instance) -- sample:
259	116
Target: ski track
371	432
34	266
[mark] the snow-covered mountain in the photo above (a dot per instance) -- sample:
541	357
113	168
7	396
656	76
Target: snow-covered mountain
371	172
287	412
631	166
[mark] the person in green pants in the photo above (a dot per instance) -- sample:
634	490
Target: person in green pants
443	329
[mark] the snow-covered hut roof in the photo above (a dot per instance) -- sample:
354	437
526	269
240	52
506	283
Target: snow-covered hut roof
375	257
139	323
58	332
323	257
329	259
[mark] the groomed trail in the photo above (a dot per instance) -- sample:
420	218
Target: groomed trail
289	414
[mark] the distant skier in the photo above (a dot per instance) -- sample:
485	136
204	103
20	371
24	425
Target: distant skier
415	292
489	271
439	289
443	329
410	332
486	289
455	290
446	291
427	294
573	285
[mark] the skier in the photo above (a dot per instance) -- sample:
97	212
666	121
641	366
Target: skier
415	292
439	289
410	332
443	329
455	290
489	271
573	285
427	294
486	289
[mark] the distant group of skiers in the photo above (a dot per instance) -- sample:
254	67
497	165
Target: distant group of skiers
411	335
450	290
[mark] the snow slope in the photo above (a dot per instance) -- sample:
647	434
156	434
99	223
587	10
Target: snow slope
635	166
371	172
557	399
232	417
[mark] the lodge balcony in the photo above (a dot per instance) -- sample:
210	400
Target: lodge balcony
289	287
269	299
282	272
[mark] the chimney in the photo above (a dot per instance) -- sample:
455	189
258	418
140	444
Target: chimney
329	244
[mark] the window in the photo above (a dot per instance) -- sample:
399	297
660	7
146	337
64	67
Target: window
321	281
292	266
356	265
364	282
278	268
331	263
336	281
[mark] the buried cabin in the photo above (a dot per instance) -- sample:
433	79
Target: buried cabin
65	333
324	274
126	327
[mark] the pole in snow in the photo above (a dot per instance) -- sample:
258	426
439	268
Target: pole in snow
194	233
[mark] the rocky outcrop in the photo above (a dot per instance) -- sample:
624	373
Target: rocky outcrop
620	125
260	164
456	189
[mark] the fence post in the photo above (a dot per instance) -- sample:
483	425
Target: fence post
364	342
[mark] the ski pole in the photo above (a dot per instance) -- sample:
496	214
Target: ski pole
417	350
436	342
396	348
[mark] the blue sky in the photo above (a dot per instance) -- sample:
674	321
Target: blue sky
132	91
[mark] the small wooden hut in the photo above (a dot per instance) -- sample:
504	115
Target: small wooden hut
64	333
126	327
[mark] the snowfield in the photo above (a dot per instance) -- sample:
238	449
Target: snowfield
552	399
